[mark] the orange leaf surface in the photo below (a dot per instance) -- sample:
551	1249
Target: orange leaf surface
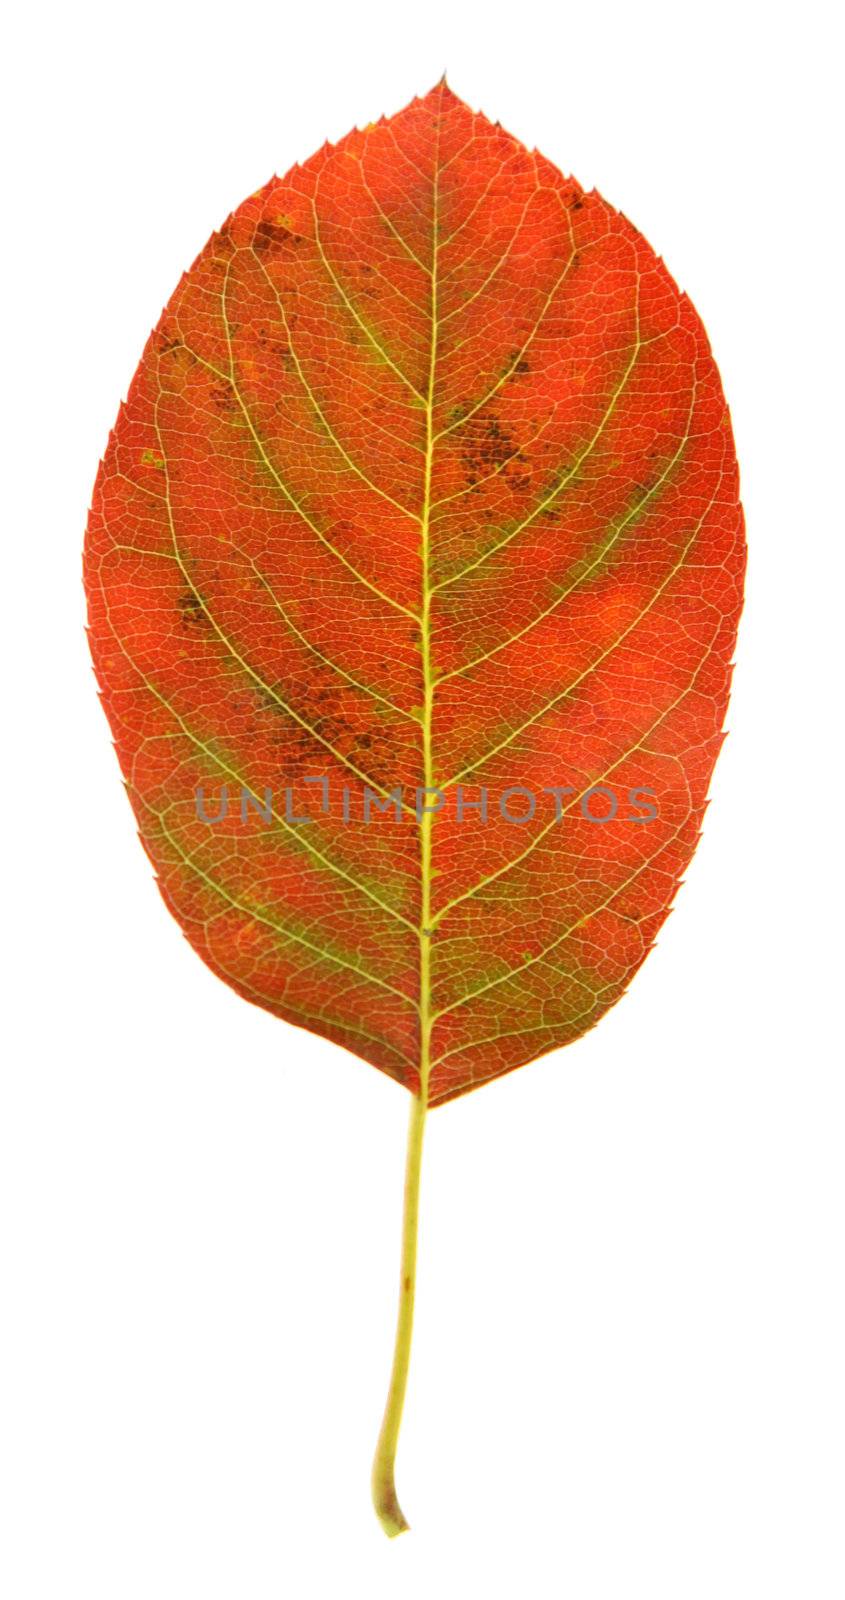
423	385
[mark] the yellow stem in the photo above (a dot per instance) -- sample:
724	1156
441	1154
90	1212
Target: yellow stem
388	1509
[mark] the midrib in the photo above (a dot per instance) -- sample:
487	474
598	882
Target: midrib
427	820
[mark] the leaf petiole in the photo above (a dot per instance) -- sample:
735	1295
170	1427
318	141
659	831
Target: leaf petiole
385	1500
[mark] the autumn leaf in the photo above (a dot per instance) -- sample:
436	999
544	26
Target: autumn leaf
414	569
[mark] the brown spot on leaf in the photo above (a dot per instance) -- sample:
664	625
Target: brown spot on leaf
272	236
192	610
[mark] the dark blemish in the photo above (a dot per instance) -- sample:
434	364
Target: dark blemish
271	236
192	610
407	1282
375	753
577	205
321	707
521	368
489	447
224	397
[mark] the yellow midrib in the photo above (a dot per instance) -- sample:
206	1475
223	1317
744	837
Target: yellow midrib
427	821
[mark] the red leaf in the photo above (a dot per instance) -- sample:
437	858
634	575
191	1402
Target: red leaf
425	481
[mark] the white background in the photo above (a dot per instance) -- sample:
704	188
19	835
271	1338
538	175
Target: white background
628	1367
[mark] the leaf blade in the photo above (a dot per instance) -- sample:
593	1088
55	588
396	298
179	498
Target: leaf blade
424	426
